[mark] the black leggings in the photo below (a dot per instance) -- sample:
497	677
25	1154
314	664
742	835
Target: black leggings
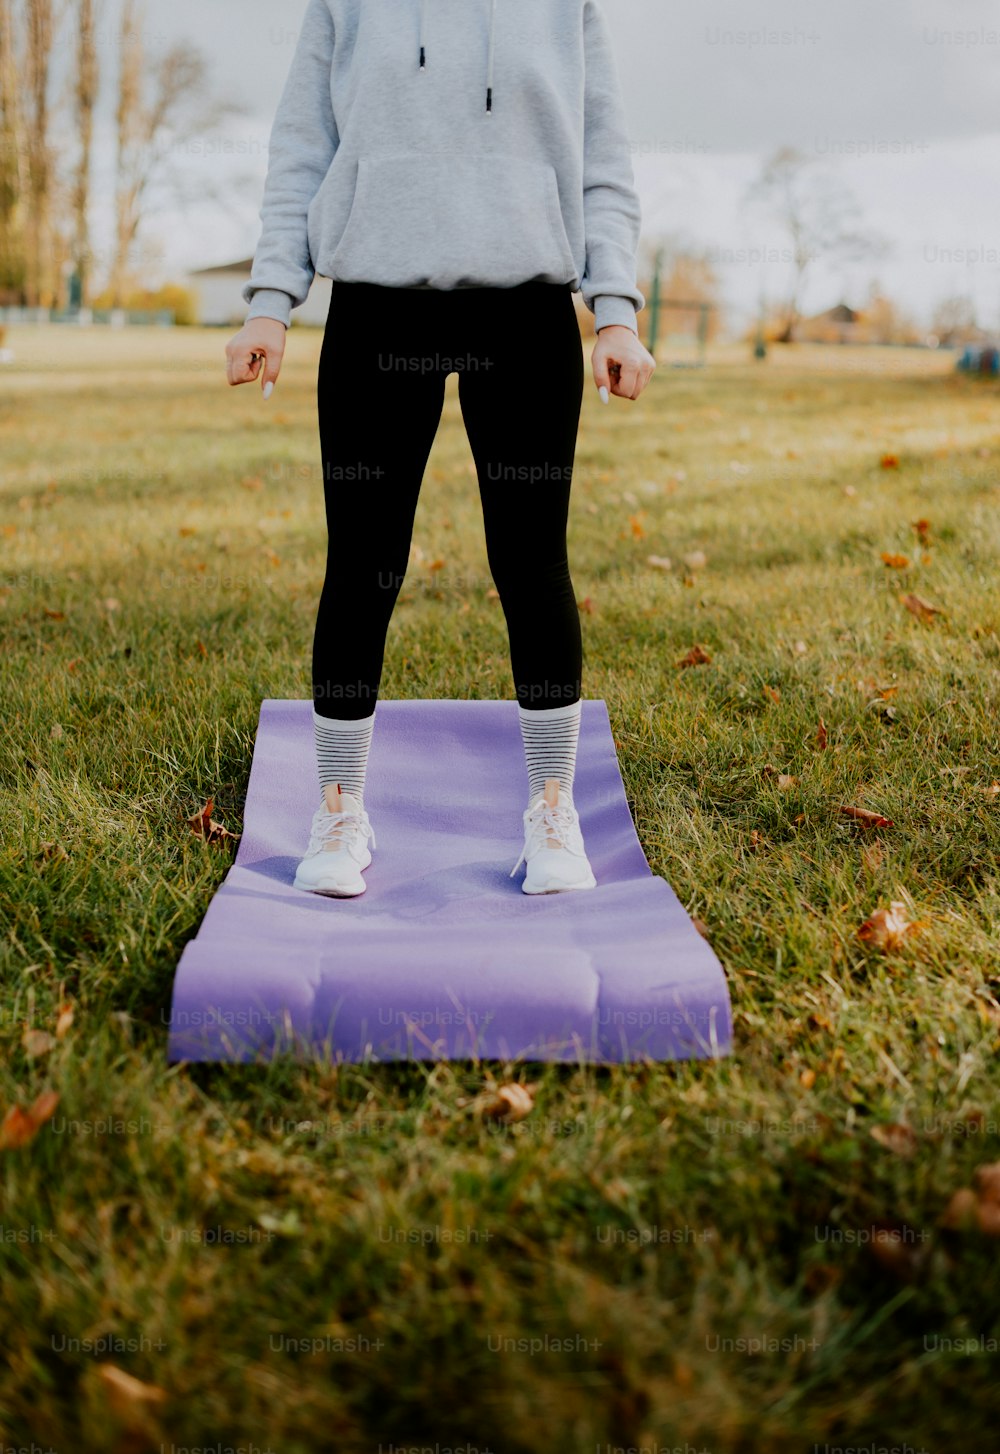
385	355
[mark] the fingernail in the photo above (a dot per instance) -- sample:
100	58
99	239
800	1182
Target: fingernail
268	389
605	396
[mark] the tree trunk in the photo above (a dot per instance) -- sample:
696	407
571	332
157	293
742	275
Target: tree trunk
41	281
85	94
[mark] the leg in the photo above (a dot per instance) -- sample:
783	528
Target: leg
522	423
377	422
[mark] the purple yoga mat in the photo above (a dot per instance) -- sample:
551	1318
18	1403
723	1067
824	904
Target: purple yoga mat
443	957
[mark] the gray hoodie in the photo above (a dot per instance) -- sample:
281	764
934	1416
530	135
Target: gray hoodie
450	144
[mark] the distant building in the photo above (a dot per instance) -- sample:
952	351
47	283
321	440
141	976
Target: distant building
219	301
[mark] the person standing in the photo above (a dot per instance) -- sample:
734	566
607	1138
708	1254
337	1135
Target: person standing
458	169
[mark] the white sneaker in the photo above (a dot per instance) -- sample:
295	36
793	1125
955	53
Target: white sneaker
338	847
553	845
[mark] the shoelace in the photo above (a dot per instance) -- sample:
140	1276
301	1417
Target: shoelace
553	822
327	824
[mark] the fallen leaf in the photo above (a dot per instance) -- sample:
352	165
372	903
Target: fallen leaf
889	462
638	529
661	562
960	1213
128	1397
786	781
992	791
887	928
821	735
987	1182
895	1137
697	656
37	1042
872	856
186	530
921	609
65	1021
510	1103
865	816
896	562
923	529
807	1078
54	615
894	1247
772	694
696	560
19	1126
203	825
701	927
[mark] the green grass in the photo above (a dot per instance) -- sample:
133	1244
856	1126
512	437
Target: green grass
308	1257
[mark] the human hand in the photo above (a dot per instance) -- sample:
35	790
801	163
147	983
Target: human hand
256	351
622	365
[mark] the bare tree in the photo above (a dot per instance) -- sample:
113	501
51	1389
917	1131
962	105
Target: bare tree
129	121
818	214
40	33
85	90
955	321
12	170
158	106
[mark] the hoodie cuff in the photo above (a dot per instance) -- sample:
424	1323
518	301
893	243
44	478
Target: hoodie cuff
271	303
610	309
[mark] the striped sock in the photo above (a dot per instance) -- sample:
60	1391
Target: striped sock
550	739
342	752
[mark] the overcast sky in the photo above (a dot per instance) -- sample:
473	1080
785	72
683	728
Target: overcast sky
901	96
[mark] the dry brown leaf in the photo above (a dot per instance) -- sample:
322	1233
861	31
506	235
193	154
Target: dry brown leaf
960	1213
896	1137
894	1247
807	1078
865	816
923	529
923	610
697	656
20	1126
772	694
987	1182
889	462
821	735
887	928
786	781
129	1398
37	1042
203	825
992	791
896	562
54	615
511	1102
65	1020
638	529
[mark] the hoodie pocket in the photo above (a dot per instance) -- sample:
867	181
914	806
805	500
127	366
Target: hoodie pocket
447	220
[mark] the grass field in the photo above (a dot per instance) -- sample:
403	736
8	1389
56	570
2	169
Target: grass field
747	1255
